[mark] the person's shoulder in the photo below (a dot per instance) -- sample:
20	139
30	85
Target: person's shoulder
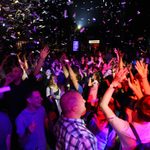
4	117
87	140
24	112
86	133
5	124
22	115
41	108
3	114
80	131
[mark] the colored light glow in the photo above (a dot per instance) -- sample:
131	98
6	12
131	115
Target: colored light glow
79	27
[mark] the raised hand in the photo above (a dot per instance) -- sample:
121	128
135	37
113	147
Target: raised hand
135	86
119	77
62	58
142	69
25	62
116	51
44	52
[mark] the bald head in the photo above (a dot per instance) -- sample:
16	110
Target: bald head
72	103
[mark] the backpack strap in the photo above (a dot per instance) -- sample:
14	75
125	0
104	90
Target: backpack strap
135	133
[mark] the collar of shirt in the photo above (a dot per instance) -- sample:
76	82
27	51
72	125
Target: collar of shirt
79	121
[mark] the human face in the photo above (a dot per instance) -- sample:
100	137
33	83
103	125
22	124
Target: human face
81	105
36	99
48	72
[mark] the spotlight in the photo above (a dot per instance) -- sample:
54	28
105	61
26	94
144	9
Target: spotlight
79	27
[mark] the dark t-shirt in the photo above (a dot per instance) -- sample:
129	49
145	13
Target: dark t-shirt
15	100
5	129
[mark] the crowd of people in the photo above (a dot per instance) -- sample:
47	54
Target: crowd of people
95	101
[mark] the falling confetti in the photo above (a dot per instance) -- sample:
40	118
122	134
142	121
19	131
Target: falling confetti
55	21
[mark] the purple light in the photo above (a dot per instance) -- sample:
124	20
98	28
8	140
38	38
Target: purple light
65	14
94	19
4	89
82	30
36	42
138	12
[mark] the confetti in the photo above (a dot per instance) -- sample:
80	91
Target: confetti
56	21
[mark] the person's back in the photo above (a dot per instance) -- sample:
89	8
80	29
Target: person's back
72	134
70	130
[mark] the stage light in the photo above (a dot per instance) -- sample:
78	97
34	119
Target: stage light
79	27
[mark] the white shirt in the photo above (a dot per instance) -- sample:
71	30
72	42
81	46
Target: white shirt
126	136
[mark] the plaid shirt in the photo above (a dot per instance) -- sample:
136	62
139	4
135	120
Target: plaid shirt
71	134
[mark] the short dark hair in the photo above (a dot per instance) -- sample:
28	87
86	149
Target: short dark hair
29	92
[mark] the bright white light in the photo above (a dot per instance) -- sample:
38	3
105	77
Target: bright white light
138	12
94	41
69	2
79	27
16	1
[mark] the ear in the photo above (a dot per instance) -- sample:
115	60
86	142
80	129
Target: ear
74	108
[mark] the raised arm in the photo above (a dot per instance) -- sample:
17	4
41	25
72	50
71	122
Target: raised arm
24	65
66	73
142	69
73	77
136	88
117	54
119	58
90	81
119	77
63	62
43	54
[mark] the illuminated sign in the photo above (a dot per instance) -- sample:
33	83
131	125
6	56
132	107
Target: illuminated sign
94	41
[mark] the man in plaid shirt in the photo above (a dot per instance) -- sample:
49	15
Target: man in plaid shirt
70	130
